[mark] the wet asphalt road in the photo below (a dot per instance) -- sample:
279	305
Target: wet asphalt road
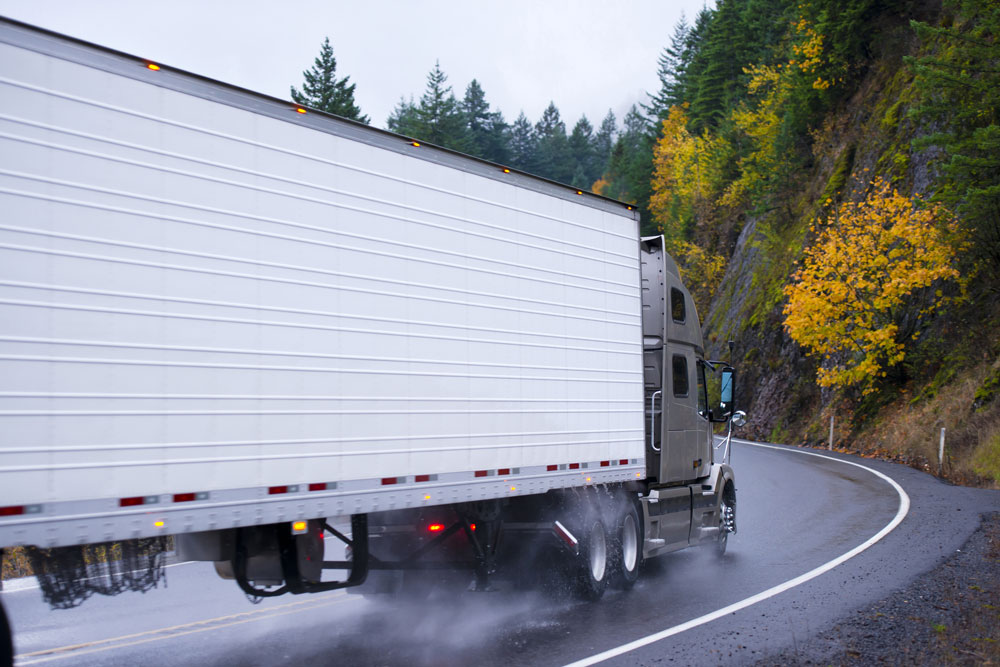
795	513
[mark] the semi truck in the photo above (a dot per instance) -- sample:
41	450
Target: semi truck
249	325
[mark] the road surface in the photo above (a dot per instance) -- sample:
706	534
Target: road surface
799	515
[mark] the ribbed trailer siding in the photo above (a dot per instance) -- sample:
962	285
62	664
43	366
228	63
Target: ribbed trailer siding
213	315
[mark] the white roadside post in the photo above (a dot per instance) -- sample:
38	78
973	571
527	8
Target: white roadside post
941	453
830	446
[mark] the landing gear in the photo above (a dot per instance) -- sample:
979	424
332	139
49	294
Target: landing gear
6	641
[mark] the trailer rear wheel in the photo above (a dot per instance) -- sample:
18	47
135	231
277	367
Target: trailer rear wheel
592	562
627	546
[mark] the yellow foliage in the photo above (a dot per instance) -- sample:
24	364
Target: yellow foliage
599	186
687	171
847	300
762	126
700	270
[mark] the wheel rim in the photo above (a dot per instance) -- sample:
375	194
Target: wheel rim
598	552
630	543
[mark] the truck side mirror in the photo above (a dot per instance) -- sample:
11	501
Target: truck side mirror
726	402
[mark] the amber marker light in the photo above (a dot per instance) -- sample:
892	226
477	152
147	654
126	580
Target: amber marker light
301	110
153	66
579	192
299	527
506	171
158	524
415	144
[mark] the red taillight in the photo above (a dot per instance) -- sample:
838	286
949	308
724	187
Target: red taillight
320	486
435	527
472	527
12	510
130	502
552	467
623	462
183	497
272	490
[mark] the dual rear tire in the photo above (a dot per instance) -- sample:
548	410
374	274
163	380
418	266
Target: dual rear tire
609	556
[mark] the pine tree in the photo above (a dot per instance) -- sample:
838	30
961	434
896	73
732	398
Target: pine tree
959	89
523	144
322	90
672	63
604	141
581	149
553	156
440	117
404	118
487	131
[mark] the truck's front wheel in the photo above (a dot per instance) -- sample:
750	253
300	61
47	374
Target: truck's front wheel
592	562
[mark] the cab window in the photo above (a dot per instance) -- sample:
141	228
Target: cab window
702	391
680	366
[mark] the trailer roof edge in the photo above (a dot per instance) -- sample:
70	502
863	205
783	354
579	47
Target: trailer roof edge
34	38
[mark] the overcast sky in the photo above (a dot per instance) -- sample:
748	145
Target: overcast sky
586	56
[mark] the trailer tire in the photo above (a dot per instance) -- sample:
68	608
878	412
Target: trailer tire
626	545
6	640
591	576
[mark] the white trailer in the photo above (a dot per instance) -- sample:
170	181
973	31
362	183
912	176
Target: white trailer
226	317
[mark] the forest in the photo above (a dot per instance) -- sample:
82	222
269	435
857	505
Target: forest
827	176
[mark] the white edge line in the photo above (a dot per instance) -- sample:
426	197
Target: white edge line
904	508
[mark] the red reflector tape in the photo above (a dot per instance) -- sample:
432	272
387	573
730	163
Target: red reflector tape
183	497
129	502
12	510
605	464
272	490
503	471
574	466
623	462
387	481
422	478
320	486
552	467
482	473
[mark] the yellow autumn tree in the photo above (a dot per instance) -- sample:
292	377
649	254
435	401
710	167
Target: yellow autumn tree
860	280
687	170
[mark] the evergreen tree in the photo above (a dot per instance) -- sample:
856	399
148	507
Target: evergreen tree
581	149
672	63
553	154
630	168
523	144
322	90
604	141
959	89
440	117
404	119
487	131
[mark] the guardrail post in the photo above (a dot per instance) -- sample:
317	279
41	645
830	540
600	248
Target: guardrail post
830	446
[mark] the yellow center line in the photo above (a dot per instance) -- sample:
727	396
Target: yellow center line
58	653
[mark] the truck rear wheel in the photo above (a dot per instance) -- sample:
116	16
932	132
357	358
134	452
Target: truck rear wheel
626	547
592	562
